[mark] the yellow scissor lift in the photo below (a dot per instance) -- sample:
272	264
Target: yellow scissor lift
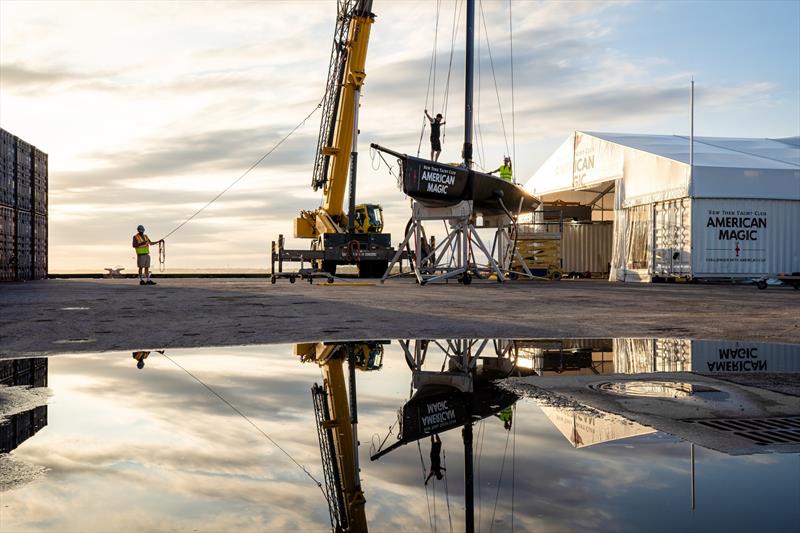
538	245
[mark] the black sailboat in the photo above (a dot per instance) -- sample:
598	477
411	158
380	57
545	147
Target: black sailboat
435	184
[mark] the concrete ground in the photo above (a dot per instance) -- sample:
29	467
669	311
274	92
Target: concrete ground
54	316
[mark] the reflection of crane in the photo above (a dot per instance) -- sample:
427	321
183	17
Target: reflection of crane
353	236
337	425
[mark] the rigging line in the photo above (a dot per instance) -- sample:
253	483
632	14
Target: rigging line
513	461
447	490
246	172
428	91
435	46
433	490
424	470
494	76
478	468
456	25
513	114
499	481
479	148
249	421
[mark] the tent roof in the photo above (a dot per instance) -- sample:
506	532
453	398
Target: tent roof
725	152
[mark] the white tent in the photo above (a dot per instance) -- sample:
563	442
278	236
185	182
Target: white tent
734	212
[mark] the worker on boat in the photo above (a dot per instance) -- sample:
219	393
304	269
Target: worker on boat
436	458
507	416
436	127
141	243
140	357
504	169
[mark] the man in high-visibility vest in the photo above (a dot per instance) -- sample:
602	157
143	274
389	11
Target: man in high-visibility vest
504	169
141	243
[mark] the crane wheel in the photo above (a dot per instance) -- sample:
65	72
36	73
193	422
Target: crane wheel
761	284
330	280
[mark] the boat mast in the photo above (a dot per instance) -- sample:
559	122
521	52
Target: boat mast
466	153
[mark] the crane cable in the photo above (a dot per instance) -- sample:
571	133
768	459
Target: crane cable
249	421
246	172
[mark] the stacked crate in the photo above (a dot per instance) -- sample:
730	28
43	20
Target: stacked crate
39	214
23	210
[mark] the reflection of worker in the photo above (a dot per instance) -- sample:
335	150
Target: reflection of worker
140	357
506	415
141	243
504	169
436	459
436	127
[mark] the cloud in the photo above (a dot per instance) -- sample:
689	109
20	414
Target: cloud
157	108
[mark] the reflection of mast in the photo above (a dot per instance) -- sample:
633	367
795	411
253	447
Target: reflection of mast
456	396
337	421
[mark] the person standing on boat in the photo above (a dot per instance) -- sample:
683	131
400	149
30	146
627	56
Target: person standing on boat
436	458
436	127
504	169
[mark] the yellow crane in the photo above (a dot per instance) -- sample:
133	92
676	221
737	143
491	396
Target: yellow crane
353	236
336	415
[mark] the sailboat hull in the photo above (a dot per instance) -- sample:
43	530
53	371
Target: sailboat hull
436	184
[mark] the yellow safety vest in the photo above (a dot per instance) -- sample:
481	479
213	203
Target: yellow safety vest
144	248
505	172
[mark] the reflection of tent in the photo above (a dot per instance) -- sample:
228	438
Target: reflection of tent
587	429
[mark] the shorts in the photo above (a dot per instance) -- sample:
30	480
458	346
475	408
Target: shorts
143	261
436	145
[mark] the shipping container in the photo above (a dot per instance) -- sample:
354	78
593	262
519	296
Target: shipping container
745	238
39	182
39	256
23	210
23	251
8	269
24	175
586	247
8	158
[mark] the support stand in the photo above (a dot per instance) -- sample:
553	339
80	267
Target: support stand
452	257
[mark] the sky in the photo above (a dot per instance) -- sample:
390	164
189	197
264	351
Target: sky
149	109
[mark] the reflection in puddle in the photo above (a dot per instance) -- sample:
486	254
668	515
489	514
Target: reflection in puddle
663	389
408	435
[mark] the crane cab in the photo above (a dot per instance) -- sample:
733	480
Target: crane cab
368	218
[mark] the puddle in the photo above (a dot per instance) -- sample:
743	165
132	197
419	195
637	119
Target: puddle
663	389
74	341
75	308
188	439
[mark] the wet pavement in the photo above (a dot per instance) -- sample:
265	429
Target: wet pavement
564	435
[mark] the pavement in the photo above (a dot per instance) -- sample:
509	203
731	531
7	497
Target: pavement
56	316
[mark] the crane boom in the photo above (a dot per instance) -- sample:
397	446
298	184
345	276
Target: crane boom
339	127
342	235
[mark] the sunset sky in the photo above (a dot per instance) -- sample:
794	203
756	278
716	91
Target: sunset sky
148	109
